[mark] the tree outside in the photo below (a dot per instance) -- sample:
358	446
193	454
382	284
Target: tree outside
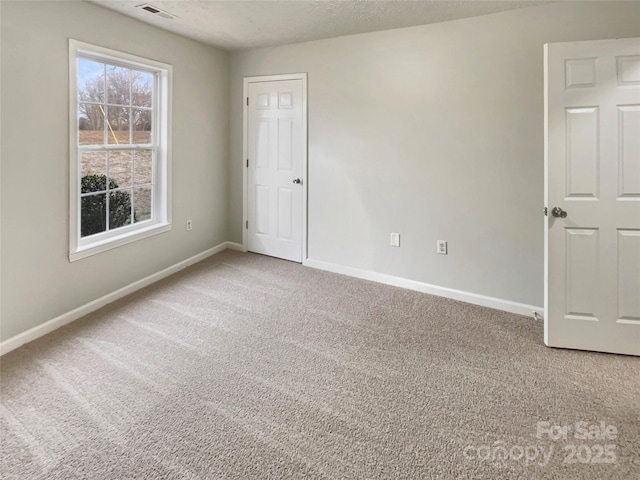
122	97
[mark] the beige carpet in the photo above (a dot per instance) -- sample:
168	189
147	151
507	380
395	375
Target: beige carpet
247	367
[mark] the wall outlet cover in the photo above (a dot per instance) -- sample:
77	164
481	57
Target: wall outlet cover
395	239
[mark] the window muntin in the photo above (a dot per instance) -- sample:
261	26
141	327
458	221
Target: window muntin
120	142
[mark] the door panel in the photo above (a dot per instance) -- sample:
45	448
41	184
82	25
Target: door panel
592	172
582	152
285	144
261	152
582	273
262	210
628	70
629	276
276	151
629	151
285	213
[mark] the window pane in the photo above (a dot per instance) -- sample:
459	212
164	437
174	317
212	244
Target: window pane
90	124
93	183
120	166
119	209
93	214
118	125
141	125
90	81
93	163
143	170
141	89
118	84
141	204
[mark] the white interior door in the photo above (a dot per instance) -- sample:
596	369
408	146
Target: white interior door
592	190
276	148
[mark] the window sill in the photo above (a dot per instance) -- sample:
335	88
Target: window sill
114	242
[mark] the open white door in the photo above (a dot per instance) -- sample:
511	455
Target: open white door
276	166
592	192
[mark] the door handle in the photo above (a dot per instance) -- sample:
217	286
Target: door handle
558	212
297	181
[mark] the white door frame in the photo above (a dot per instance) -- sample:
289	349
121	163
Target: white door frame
245	152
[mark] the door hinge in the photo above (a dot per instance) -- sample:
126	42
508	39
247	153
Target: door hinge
546	212
247	101
247	163
246	224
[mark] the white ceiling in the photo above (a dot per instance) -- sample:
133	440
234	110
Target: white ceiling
242	24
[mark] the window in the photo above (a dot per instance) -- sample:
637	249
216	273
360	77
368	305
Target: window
119	148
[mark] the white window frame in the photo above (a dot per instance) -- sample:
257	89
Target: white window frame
161	147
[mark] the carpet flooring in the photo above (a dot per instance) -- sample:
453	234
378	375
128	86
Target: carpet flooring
249	367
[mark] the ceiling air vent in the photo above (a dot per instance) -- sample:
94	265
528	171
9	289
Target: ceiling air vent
156	11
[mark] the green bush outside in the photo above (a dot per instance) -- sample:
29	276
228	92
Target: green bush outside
94	207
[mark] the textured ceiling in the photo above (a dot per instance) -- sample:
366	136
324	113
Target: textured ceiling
240	24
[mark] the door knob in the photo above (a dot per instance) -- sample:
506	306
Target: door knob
558	212
297	181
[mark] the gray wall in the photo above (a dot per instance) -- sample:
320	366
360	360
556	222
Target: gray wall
435	132
38	282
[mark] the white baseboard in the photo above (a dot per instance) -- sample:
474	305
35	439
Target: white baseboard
55	323
474	298
238	247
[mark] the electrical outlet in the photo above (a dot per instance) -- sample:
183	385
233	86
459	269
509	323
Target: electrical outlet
395	239
442	247
189	225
